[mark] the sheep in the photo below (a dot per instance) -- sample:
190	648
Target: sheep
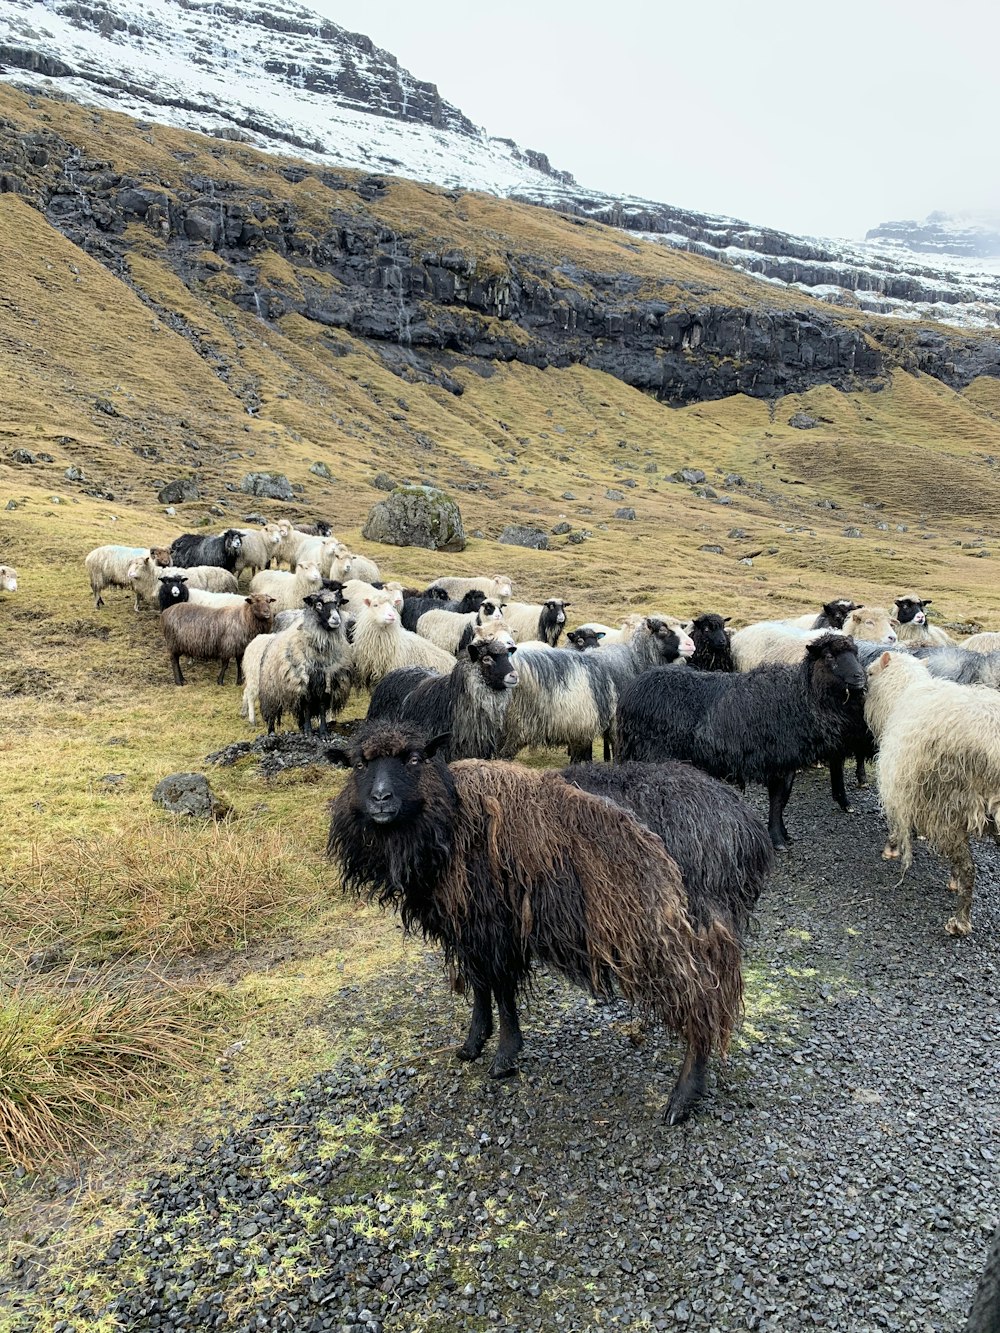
144	575
435	600
938	768
108	567
381	644
567	698
288	590
580	886
223	550
257	551
296	546
775	641
914	627
469	704
543	621
215	633
347	564
712	648
497	586
305	670
318	529
961	666
987	642
755	726
585	638
832	615
452	631
8	578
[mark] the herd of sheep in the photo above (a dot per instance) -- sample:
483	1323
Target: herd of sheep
461	656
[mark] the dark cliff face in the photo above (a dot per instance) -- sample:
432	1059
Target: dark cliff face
423	306
943	235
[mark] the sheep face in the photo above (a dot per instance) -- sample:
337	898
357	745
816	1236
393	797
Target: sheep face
911	609
386	786
502	585
582	639
309	572
325	605
871	623
137	566
8	579
262	607
839	657
493	657
838	610
557	610
176	586
490	611
711	630
232	542
673	640
384	609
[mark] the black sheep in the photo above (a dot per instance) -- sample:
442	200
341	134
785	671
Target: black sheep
173	589
721	846
506	866
414	607
712	649
835	613
755	726
189	550
584	638
469	704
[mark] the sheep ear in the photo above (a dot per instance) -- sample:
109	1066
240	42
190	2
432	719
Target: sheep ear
726	619
928	600
435	743
311	599
885	659
338	756
600	634
474	650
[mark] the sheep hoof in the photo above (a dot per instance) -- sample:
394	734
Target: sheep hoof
469	1052
503	1071
953	885
890	853
848	809
958	926
864	786
782	847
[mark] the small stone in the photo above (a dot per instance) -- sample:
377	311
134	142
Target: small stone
568	495
520	534
802	421
176	492
575	538
613	494
269	485
383	482
188	794
22	456
170	511
73	473
852	532
560	529
321	470
733	479
106	406
11	504
626	512
711	548
692	475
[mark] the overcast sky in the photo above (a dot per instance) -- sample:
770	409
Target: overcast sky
821	119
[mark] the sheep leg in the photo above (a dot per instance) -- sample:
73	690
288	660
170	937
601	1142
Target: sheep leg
778	792
963	871
607	747
860	774
221	677
511	1042
689	1088
837	785
175	662
481	1026
240	678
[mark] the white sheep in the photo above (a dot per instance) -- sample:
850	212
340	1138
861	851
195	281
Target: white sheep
381	644
776	641
8	578
108	567
347	564
987	642
295	547
452	631
144	576
257	550
288	590
938	767
498	587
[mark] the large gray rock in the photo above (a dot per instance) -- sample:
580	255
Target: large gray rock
519	534
176	492
269	485
188	794
416	516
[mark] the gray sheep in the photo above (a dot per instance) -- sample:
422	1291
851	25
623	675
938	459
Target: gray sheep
215	634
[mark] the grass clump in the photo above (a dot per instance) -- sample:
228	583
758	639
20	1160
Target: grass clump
70	1058
156	890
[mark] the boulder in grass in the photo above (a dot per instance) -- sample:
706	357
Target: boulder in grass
189	794
416	516
520	534
268	485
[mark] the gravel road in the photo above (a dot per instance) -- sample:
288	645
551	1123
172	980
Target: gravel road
843	1175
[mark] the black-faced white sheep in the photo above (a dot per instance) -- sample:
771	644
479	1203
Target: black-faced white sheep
831	616
189	549
914	625
435	599
306	670
567	698
469	704
712	648
8	578
938	767
382	645
776	641
452	631
108	567
144	575
757	726
507	867
216	634
543	622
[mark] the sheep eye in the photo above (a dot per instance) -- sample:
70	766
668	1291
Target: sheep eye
415	759
360	765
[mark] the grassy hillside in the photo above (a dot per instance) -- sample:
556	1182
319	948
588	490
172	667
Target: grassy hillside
236	934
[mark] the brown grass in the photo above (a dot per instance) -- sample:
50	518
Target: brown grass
71	1056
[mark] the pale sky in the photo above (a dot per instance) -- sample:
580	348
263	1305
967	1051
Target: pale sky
822	120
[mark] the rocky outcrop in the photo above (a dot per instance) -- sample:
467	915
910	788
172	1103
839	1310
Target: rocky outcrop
424	306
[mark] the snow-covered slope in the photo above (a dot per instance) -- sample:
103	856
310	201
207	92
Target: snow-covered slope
281	77
272	73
